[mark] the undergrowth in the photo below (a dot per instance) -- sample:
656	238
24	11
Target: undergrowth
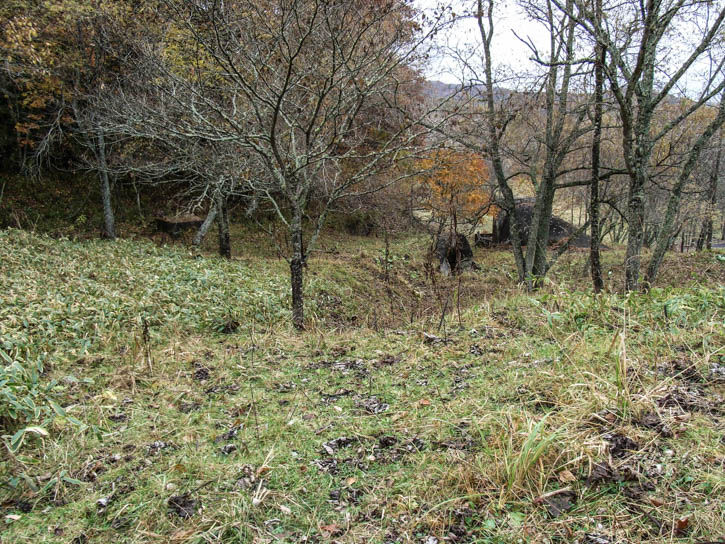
558	416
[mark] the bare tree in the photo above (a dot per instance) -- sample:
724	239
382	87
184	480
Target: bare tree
643	74
594	203
704	240
310	90
556	119
664	238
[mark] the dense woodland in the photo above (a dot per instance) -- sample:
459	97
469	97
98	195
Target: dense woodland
298	138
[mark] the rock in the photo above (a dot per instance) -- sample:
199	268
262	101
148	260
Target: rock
483	240
176	225
454	254
183	505
559	230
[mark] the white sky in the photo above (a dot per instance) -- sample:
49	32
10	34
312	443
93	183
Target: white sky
507	50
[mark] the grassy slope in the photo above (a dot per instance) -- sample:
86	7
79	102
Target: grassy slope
525	399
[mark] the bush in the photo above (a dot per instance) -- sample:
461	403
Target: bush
360	223
26	405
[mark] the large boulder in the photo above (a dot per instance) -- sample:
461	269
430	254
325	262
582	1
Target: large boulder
559	230
453	253
176	225
482	239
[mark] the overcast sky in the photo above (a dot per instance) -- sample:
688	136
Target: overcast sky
507	48
509	51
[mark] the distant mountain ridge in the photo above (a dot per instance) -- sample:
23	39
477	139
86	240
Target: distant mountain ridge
439	90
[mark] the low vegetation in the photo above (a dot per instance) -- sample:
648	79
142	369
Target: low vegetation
239	301
175	403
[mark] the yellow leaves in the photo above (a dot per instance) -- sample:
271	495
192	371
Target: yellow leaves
38	102
25	128
49	48
18	40
566	477
455	179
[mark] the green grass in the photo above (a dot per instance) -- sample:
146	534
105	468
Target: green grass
522	400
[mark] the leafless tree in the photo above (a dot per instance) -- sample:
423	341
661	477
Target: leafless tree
310	90
594	198
149	124
530	133
704	240
673	205
645	70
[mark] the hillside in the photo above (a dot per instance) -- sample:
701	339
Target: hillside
553	417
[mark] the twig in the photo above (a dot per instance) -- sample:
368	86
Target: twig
545	496
443	314
251	389
200	487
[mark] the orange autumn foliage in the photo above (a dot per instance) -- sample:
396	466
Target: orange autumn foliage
455	183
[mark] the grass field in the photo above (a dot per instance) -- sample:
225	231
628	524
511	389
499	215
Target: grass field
554	417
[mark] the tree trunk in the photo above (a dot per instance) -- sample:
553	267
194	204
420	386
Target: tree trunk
225	246
635	235
637	146
494	139
205	226
138	201
594	257
705	239
296	274
109	221
536	257
556	146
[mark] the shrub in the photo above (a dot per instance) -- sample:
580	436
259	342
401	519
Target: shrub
360	223
26	404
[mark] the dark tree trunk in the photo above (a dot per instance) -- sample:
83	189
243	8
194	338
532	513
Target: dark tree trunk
225	246
205	226
296	275
557	144
515	229
536	256
109	221
635	235
494	139
594	257
705	238
637	148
